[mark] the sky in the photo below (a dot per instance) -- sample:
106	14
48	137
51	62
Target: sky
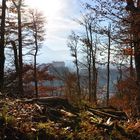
60	15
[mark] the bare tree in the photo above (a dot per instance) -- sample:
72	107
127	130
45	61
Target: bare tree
73	45
37	29
89	42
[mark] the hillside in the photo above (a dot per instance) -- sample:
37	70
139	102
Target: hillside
56	119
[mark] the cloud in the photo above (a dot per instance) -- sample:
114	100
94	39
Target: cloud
59	28
62	27
60	23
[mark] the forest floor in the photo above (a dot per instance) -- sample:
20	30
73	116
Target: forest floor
54	118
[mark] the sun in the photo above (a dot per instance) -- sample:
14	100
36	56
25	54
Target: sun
50	8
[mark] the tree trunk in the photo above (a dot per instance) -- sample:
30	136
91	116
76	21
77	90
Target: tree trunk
35	61
135	28
137	65
132	74
89	64
15	56
2	45
35	69
78	76
108	67
94	71
20	76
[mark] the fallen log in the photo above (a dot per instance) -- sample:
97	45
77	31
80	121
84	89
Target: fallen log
54	101
108	112
57	102
105	114
113	111
121	114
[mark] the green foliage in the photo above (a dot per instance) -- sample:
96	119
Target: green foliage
85	130
55	130
4	111
7	119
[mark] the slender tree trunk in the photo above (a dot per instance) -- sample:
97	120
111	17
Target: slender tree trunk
94	82
94	74
78	76
37	29
35	57
15	56
89	64
108	69
35	69
73	45
20	59
132	75
20	51
2	45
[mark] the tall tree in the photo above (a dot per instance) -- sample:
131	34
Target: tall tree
2	44
18	4
73	45
111	11
37	30
89	41
135	15
135	28
108	65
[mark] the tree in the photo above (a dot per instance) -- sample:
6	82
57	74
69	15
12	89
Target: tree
15	56
2	44
15	38
135	27
108	65
89	42
73	45
135	15
37	31
111	12
108	33
18	5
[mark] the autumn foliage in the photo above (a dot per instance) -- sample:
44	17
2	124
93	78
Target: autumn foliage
125	98
43	76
